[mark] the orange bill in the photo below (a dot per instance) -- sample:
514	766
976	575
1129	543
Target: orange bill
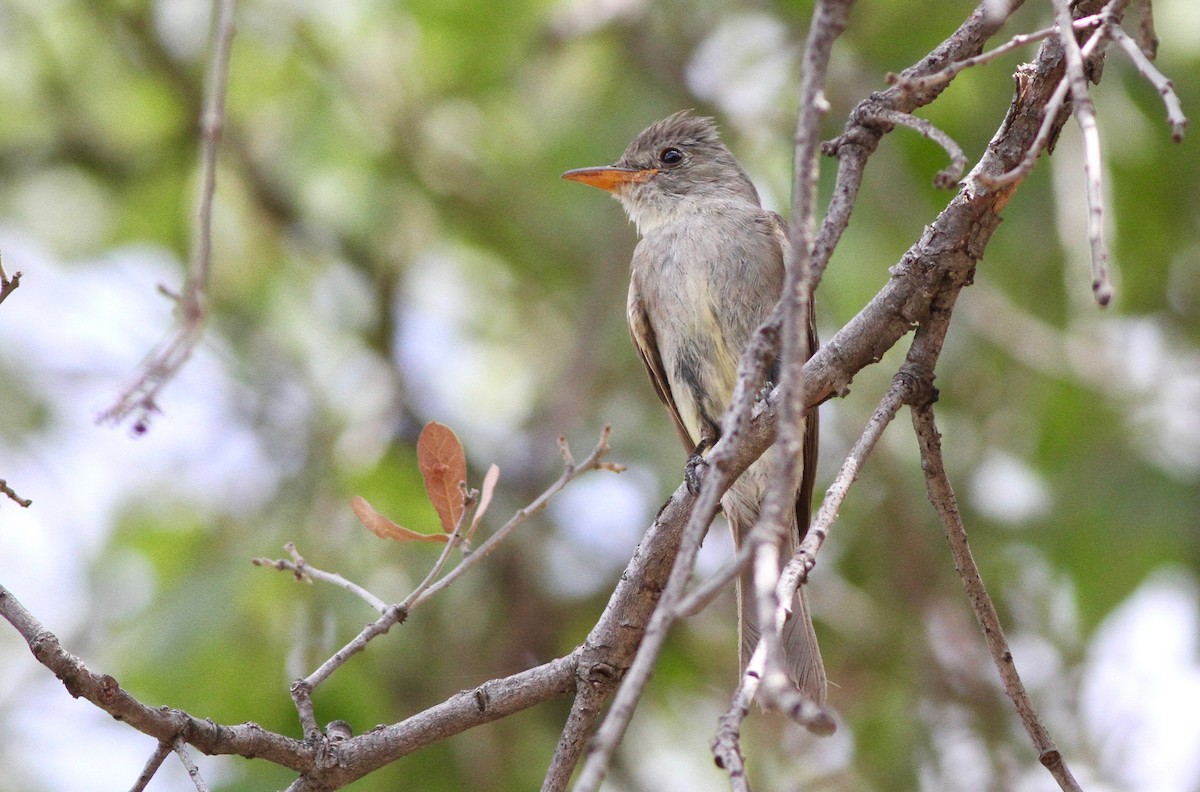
609	179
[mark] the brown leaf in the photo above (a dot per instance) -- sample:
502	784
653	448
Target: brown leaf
443	465
485	497
386	529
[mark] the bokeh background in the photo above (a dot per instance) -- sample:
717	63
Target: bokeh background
393	245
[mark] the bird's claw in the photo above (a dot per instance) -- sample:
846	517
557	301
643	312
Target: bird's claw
693	472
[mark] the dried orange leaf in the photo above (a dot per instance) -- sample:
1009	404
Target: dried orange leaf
386	529
485	497
443	466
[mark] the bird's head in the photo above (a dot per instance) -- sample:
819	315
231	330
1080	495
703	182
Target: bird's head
678	164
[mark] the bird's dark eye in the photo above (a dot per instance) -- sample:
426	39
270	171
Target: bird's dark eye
671	156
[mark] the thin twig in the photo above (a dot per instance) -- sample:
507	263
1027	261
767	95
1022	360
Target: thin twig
702	595
152	764
8	285
594	461
391	615
726	744
1093	166
165	361
1165	88
180	748
453	542
1048	127
859	140
943	77
11	494
946	178
941	495
797	570
305	572
795	440
1147	38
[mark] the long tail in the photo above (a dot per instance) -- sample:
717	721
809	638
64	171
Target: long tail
799	640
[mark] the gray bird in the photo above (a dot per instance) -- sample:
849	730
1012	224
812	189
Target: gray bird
708	270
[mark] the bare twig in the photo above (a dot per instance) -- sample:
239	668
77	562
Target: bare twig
165	361
453	543
726	744
391	615
1093	167
163	723
594	461
943	77
152	764
859	139
180	748
305	572
941	495
946	178
778	511
353	758
8	285
11	494
797	570
1049	126
702	595
1147	38
1165	88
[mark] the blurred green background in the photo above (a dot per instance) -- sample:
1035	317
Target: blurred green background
393	245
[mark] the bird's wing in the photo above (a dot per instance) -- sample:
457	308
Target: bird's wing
812	424
644	340
804	495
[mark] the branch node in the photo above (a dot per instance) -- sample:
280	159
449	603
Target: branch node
602	674
8	285
8	491
338	730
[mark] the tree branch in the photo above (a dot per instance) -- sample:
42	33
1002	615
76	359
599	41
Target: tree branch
1165	88
163	723
777	514
12	495
1085	115
152	764
941	495
8	284
165	362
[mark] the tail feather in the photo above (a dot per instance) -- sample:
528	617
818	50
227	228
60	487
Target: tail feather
800	647
741	505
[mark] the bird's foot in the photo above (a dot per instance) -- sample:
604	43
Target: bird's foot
693	472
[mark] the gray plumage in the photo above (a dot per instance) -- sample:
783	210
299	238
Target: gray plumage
707	271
